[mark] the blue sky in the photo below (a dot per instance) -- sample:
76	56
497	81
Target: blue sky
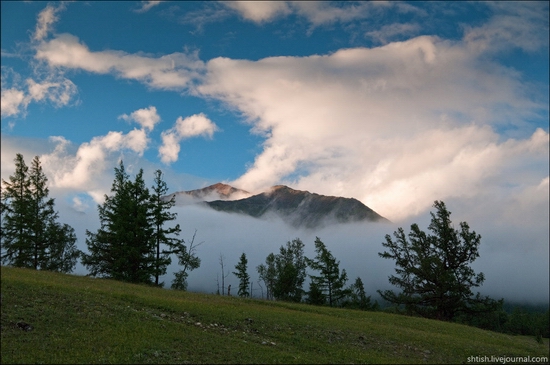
396	104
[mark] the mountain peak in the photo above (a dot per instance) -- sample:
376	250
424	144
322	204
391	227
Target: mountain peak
283	189
222	189
218	191
300	208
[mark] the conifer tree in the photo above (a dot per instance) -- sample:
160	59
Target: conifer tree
62	253
359	298
53	244
315	295
242	274
163	235
123	248
330	281
15	208
31	235
433	269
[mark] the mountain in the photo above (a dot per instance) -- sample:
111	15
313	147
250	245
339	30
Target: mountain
295	207
217	191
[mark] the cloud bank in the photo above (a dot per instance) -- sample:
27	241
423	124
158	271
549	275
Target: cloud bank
356	246
396	126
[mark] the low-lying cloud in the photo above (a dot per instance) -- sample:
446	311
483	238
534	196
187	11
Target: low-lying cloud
516	273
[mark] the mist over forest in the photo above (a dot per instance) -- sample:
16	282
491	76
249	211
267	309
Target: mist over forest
516	273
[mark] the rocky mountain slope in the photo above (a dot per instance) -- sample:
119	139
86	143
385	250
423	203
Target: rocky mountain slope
295	207
217	191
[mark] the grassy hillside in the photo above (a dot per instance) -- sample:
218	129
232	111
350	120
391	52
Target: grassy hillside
56	318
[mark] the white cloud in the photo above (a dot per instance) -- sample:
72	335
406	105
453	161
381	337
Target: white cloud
315	12
146	6
172	72
146	117
54	88
81	170
259	11
46	18
79	205
12	100
523	25
323	12
193	126
390	31
59	92
397	126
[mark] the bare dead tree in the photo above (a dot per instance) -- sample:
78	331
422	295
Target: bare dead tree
188	261
222	257
261	288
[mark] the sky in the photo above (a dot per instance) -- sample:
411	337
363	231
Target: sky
396	104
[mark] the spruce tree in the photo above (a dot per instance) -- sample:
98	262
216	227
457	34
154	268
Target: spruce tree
330	281
62	253
31	235
315	295
16	213
123	248
163	236
53	244
242	274
358	296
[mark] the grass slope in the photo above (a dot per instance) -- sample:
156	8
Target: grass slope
84	320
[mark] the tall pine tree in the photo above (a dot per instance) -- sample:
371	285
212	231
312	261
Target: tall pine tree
433	270
163	236
331	281
242	274
31	235
123	248
16	212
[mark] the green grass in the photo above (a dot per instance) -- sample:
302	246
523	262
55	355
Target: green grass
84	320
